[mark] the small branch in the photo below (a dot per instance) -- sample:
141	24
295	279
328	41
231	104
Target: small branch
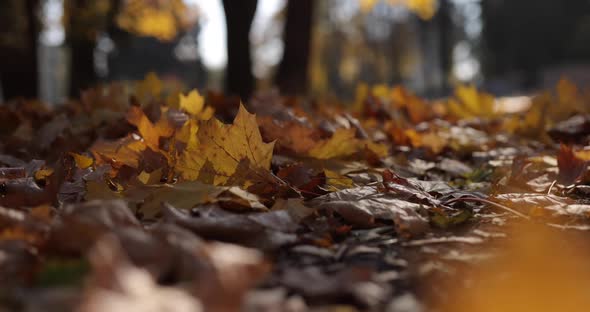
485	201
551	187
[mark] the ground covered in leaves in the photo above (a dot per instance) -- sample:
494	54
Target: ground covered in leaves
141	197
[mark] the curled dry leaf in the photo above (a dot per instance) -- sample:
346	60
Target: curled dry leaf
362	206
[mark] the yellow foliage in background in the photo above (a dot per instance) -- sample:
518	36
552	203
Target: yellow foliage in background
160	19
425	9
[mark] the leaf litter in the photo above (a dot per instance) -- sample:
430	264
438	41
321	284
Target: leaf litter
146	199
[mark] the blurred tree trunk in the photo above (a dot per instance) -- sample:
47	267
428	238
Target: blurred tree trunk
85	20
81	41
239	15
18	55
445	25
292	74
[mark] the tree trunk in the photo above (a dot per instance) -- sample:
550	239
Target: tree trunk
18	64
81	38
239	15
292	74
445	40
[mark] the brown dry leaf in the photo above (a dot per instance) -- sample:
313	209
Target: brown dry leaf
42	212
571	168
225	147
362	206
185	195
118	285
290	135
418	109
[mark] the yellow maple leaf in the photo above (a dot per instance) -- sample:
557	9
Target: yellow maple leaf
149	131
224	148
188	133
149	88
194	104
342	143
469	102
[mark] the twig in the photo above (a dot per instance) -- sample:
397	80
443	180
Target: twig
481	200
551	187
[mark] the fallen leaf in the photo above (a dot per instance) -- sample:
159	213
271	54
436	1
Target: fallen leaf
194	104
571	168
363	205
224	147
184	195
82	161
342	143
150	132
469	102
265	230
148	89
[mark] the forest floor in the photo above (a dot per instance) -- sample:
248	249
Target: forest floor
138	197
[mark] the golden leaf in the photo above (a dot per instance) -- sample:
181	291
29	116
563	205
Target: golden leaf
150	132
379	149
188	133
423	8
336	182
225	147
149	88
125	151
82	161
150	177
42	174
418	110
469	102
342	143
194	104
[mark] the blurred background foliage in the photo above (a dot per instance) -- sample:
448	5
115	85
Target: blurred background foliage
52	49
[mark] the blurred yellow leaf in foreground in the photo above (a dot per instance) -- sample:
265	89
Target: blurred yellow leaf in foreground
542	269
